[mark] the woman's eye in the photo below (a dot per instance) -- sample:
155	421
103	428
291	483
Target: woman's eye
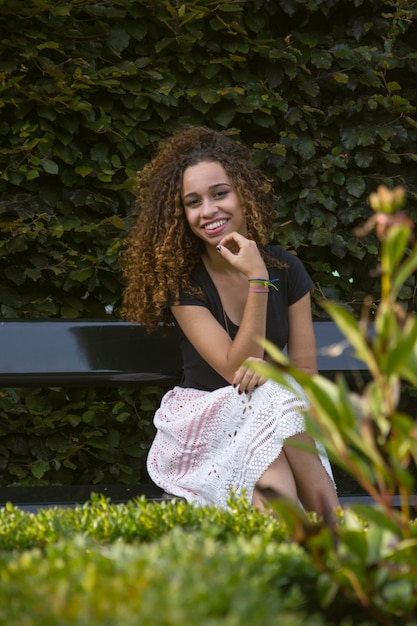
221	194
192	203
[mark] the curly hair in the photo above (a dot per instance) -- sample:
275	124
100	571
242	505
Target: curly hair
161	251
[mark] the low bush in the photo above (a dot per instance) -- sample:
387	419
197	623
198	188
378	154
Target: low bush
138	521
174	564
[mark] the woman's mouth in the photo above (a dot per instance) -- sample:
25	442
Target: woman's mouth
215	227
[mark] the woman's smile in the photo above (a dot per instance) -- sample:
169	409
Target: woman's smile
215	227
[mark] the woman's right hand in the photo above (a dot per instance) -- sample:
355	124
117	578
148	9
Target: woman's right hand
243	254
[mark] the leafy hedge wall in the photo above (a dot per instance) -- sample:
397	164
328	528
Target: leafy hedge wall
75	436
323	91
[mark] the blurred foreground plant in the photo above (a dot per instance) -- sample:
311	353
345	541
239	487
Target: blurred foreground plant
372	556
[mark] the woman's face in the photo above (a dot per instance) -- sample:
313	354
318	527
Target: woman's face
211	204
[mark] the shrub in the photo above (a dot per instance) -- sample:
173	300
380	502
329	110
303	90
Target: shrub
174	563
370	438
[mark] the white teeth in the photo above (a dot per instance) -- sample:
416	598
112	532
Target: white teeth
215	225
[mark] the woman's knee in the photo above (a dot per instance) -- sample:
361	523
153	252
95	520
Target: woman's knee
278	480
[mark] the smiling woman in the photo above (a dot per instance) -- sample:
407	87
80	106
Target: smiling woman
198	255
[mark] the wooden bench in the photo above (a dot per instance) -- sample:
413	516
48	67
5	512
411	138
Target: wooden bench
60	353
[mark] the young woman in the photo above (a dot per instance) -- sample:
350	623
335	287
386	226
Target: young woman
198	255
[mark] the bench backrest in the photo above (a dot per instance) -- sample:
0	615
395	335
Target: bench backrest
89	352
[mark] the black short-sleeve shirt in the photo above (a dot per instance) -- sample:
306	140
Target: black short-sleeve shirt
294	283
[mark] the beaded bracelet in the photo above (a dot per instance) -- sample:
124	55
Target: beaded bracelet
266	282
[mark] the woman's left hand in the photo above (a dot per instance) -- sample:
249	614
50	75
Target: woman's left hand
245	379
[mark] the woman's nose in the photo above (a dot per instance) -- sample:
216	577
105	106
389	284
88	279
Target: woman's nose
208	206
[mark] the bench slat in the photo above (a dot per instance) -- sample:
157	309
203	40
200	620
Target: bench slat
84	352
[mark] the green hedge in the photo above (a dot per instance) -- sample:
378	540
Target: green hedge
76	436
174	564
323	92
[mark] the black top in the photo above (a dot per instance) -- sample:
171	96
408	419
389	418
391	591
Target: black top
294	283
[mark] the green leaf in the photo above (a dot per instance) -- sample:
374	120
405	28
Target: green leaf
364	158
83	170
122	417
15	275
306	148
395	245
341	77
350	328
118	222
69	312
378	517
80	275
356	186
99	152
118	39
58	443
327	589
399	356
46	308
354	545
39	468
69	464
50	167
135	450
321	59
73	419
32	174
224	115
61	9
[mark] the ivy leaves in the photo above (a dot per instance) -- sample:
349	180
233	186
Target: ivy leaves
323	93
89	88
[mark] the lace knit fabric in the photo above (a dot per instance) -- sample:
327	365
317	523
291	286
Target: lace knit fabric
210	443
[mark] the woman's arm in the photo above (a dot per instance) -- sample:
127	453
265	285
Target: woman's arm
301	337
301	345
208	336
214	344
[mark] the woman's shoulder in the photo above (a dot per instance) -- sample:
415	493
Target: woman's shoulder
292	271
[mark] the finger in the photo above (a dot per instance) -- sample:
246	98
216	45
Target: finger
250	365
246	371
233	238
254	382
246	380
229	248
237	378
240	374
226	253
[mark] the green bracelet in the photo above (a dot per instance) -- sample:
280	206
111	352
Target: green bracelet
266	282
